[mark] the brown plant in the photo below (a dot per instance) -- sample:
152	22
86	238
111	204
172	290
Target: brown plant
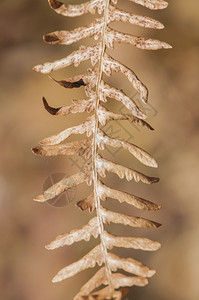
97	91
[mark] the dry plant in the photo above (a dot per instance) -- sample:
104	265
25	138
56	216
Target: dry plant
107	283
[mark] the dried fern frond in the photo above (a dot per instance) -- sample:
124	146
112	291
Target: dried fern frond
107	283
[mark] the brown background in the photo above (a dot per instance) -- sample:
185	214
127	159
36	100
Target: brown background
26	268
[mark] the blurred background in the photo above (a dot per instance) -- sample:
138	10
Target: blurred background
172	76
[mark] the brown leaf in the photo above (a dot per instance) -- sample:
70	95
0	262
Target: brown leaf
87	203
79	148
116	14
70	84
106	115
139	42
70	37
111	92
118	280
97	279
129	265
78	107
76	235
75	58
143	156
111	64
152	4
86	127
88	261
130	242
51	110
104	165
77	10
61	186
137	202
117	218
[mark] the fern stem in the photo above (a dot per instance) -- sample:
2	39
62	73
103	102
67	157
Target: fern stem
94	150
98	91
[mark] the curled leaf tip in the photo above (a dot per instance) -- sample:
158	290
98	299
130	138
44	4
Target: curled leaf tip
51	110
55	4
50	38
38	199
36	150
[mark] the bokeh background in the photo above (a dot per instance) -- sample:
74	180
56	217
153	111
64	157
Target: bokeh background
172	76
